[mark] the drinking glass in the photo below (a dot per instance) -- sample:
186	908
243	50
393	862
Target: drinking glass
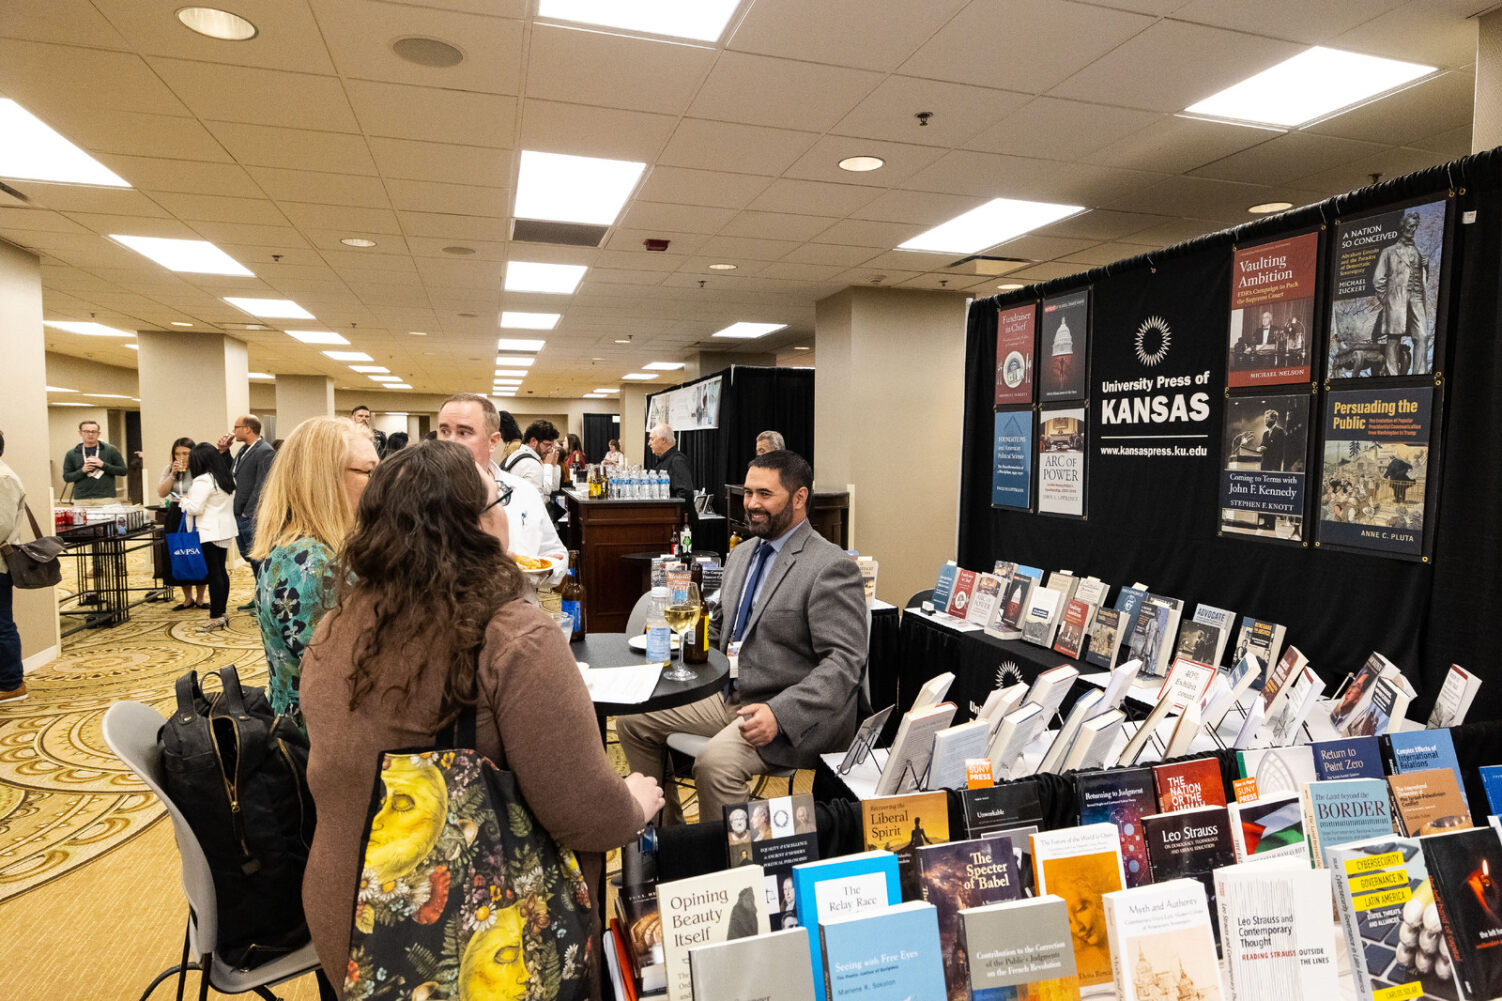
682	614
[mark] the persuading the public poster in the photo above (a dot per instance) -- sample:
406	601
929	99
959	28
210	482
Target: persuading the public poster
1014	354
1061	462
1063	351
1272	311
1262	474
1374	478
1012	461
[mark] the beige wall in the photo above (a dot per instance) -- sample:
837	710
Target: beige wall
299	397
891	361
1486	119
192	385
87	377
62	434
633	421
23	417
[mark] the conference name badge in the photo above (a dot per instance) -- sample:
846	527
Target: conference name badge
734	653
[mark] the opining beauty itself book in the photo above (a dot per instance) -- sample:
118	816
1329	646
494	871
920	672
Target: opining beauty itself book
714	907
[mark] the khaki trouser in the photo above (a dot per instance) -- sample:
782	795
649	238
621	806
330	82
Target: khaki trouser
723	771
95	501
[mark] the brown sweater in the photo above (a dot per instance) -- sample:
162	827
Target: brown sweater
532	701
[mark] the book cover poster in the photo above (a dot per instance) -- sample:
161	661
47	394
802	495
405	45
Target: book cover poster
1272	311
1266	445
1061	462
1012	460
1385	292
1014	354
1374	476
1063	347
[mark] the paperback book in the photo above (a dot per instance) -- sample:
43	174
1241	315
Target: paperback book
944	587
771	967
1420	750
1012	809
1269	827
1119	683
1259	637
965	874
1081	865
1071	638
1105	638
1278	770
1050	687
984	599
903	824
1083	708
715	907
1466	872
1454	699
1243	675
1276	932
1348	758
1491	782
959	594
1153	632
775	834
1204	637
1162	943
1018	729
1093	744
1042	619
1280	678
841	887
1190	844
1120	797
1358	694
1186	785
1018	592
1019	951
953	746
888	954
1145	731
912	748
1341	811
1428	802
1390	697
1284	727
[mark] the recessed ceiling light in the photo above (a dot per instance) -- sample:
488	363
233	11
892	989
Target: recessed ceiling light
722	267
418	333
1267	207
348	356
69	404
562	188
639	376
1008	286
132	347
32	151
508	383
607	389
998	220
1314	84
86	328
746	331
198	257
397	385
518	344
180	323
357	241
861	164
316	336
460	252
623	340
700	20
559	279
384	378
369	369
518	361
216	23
271	309
511	373
802	347
259	375
529	321
59	389
663	366
594	396
429	52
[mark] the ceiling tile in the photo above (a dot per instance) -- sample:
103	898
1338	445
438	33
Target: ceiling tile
96	82
1039	248
324	188
1045	272
288	38
1419	31
1055	129
1392	162
188	176
739	247
782	93
1176	145
22	219
822	161
862	233
634	73
308	215
957	111
550	127
812	197
360	35
1297	20
453	228
133	132
1173	231
1442	103
745	149
1046	41
428	114
1104	253
441	161
105	224
294	149
1285	157
458	199
65	22
268	239
885	277
83	198
1452	145
912	261
833	254
682	218
701	187
258	96
777	225
1199	197
1101	224
869	34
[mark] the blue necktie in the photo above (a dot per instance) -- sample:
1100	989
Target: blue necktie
743	615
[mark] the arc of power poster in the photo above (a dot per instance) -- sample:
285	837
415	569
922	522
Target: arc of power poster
1012	460
1374	474
1014	354
1272	311
1061	462
1262	475
1063	349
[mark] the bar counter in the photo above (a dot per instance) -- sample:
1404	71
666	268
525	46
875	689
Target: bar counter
605	531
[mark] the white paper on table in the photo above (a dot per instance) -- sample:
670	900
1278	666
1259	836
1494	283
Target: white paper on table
622	685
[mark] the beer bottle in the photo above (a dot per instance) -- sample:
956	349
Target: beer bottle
696	644
572	594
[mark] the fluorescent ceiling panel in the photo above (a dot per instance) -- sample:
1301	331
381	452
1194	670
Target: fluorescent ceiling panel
59	389
370	369
563	188
594	396
996	221
745	331
606	389
30	150
557	279
519	361
259	375
348	356
396	385
317	336
270	309
663	366
384	378
1312	85
518	344
640	376
699	20
198	257
86	328
511	373
529	321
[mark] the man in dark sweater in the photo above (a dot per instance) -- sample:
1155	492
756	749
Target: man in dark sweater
252	463
91	466
664	445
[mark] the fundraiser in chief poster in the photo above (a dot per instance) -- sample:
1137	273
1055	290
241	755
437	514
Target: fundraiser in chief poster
1262	476
1272	311
1061	462
1385	292
1064	346
1375	472
1012	460
1014	354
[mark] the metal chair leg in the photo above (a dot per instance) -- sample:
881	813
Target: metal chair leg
182	977
180	971
265	992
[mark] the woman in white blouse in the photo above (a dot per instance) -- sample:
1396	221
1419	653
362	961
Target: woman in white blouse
614	458
210	509
172	488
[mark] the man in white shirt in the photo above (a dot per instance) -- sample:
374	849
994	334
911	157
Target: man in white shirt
536	461
472	421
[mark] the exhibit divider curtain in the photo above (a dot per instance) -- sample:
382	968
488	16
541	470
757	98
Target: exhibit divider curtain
598	430
1160	330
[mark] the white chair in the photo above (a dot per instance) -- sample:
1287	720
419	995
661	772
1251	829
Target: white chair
130	730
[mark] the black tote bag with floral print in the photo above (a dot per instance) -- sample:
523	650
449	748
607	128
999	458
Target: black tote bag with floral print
461	891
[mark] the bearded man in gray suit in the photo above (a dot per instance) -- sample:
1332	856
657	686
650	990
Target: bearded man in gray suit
792	616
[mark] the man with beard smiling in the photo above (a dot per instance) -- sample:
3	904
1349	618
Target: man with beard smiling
792	618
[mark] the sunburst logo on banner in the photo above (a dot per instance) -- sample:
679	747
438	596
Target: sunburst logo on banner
1153	355
1008	673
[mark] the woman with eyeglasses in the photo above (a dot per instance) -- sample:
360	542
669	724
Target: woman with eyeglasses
307	508
172	488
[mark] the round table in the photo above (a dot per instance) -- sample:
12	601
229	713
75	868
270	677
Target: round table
612	650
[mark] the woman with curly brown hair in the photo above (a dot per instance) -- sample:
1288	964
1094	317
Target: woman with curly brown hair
430	620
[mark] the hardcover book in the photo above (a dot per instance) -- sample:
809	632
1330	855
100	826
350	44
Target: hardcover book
841	887
1246	672
1428	802
771	967
912	748
1071	638
1018	729
952	747
1269	827
1466	872
1341	811
1092	591
1190	844
984	599
1261	638
1063	582
1012	808
715	907
1390	698
1204	637
965	874
932	692
889	954
1454	699
1083	708
1050	687
1121	797
1276	932
944	587
1145	730
902	825
1000	702
1296	704
1119	683
1358	694
775	834
641	927
1020	951
1105	638
1491	782
1185	729
1153	633
1162	943
1249	726
959	594
1278	770
1092	746
1420	750
1280	678
1082	864
1042	619
1348	758
1128	601
1017	593
1186	785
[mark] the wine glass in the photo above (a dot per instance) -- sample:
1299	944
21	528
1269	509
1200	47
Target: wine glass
682	614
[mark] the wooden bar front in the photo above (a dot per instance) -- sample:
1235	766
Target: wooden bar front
605	532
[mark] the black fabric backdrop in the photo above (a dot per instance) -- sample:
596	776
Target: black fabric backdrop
598	430
1155	520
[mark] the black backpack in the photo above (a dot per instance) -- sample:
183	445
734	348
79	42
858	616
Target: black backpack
238	773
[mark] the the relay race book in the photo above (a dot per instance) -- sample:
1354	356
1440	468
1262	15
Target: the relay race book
840	887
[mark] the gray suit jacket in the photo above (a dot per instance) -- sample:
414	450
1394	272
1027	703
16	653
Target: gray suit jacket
250	469
804	647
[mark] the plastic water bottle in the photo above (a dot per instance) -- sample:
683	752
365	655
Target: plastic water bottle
659	636
660	486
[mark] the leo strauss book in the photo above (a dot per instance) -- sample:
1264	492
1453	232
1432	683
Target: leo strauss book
1161	943
1276	931
700	910
1019	951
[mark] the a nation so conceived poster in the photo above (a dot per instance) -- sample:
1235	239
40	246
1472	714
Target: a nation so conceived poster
1374	477
1266	447
1061	462
1064	346
1272	311
1012	460
1385	308
1014	354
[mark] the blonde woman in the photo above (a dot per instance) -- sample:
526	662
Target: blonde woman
307	508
